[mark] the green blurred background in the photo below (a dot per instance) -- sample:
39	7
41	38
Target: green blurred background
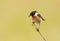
15	25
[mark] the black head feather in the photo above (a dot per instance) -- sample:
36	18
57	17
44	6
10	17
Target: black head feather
32	13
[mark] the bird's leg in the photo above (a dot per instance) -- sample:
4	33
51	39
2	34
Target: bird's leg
38	26
37	30
33	24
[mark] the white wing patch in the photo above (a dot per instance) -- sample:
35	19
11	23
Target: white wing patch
36	14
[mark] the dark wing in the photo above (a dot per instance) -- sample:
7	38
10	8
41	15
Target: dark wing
41	17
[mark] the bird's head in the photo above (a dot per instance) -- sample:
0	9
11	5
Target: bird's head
32	13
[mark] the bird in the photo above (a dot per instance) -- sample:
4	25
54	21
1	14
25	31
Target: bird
36	18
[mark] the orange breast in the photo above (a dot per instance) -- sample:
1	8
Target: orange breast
35	18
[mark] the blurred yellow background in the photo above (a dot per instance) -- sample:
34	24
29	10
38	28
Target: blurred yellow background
15	25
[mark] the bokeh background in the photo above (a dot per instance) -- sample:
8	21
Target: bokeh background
15	25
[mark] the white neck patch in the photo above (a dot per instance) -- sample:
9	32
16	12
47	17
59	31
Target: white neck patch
36	14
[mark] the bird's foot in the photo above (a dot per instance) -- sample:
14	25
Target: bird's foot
37	30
